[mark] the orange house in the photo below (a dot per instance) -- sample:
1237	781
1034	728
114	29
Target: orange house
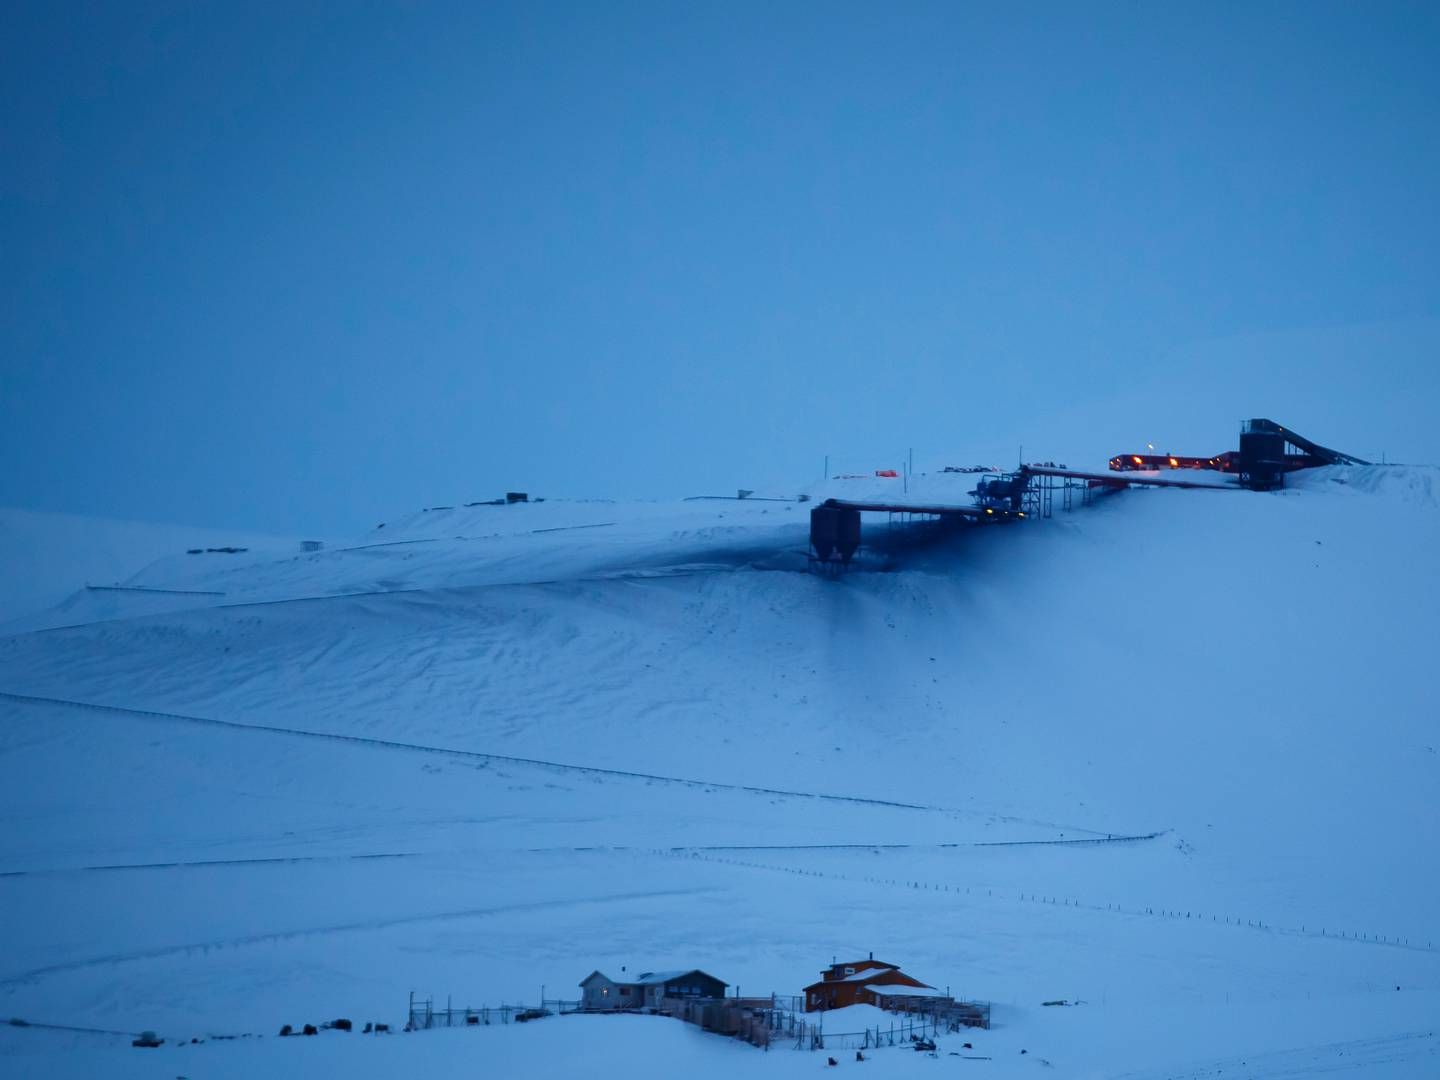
859	982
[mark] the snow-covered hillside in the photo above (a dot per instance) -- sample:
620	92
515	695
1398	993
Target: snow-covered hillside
75	562
485	749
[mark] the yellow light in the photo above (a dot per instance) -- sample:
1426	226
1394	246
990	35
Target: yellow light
1137	459
989	511
1174	463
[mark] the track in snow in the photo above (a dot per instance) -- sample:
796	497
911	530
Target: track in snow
477	755
338	928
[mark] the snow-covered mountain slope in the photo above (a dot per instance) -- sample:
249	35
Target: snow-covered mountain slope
50	559
486	748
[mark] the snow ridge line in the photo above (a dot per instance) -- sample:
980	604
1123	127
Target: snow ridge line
1106	839
592	770
18	1022
259	860
153	589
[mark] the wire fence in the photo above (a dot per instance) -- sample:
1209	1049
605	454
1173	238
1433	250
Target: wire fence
762	1022
422	1015
902	1033
1416	943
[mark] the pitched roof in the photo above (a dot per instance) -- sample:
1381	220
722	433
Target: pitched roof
870	962
893	976
657	978
650	978
868	973
888	975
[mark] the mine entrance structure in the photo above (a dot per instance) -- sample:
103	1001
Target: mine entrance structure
1267	452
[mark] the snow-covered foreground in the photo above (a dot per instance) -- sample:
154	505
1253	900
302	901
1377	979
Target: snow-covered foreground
1173	756
1253	1044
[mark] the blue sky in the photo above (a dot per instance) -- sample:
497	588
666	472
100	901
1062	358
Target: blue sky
300	267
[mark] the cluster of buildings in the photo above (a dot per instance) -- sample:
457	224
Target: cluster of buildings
858	982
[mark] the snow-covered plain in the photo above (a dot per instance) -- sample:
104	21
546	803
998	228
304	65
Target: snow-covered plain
488	749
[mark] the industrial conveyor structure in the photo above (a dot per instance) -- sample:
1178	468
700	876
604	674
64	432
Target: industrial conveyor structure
1267	452
999	499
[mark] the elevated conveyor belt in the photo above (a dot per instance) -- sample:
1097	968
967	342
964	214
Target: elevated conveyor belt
1130	478
931	509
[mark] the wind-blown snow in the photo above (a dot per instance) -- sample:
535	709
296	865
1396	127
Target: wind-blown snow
488	748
